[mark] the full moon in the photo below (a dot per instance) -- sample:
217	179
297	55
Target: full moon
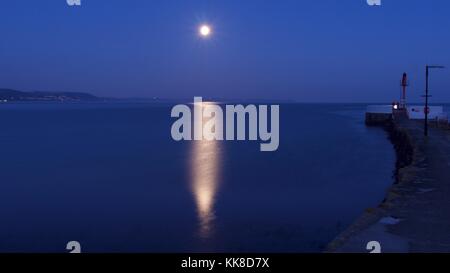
205	30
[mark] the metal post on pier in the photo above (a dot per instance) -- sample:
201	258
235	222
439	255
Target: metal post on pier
427	109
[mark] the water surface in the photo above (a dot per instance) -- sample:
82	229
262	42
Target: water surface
110	176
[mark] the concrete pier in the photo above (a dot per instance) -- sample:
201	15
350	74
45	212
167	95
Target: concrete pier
378	115
415	215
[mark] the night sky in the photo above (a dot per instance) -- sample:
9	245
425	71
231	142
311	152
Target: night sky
303	50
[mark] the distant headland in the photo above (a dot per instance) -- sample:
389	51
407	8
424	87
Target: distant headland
7	95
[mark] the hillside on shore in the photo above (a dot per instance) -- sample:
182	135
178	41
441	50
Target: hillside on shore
15	95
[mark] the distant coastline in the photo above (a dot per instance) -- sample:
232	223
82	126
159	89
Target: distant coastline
11	95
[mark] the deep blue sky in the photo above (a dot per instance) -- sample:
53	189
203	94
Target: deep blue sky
305	50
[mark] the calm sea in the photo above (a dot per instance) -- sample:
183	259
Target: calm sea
110	176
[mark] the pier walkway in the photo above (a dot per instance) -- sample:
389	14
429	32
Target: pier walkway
415	216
